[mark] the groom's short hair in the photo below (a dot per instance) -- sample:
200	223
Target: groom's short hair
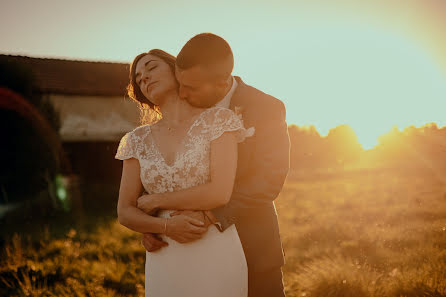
210	51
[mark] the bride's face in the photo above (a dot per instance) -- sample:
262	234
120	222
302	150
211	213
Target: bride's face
154	78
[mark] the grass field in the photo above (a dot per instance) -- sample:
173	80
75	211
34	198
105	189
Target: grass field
354	234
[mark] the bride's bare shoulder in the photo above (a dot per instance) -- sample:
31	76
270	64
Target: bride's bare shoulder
141	130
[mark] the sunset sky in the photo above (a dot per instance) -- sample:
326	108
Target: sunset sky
371	65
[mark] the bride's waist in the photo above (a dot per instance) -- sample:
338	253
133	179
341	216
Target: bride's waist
164	213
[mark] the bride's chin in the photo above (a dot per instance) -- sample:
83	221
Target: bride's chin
162	97
157	98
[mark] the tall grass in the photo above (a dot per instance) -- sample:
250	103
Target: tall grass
106	262
358	235
364	235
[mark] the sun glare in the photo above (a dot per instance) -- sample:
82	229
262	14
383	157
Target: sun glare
331	64
333	74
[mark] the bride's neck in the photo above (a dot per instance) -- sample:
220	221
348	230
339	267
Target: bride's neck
175	110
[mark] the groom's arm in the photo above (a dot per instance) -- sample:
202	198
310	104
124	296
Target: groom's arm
153	242
271	166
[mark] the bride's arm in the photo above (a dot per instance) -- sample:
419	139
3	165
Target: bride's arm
137	220
217	192
128	214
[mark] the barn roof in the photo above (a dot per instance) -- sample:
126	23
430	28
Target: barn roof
68	77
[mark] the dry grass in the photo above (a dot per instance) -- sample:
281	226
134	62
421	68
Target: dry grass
381	234
359	235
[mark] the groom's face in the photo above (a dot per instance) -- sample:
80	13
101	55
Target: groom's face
196	86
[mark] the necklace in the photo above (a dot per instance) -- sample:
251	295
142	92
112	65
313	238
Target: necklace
174	127
177	123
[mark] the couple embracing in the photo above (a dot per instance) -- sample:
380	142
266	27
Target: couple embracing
199	180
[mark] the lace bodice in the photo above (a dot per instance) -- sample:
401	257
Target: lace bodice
191	164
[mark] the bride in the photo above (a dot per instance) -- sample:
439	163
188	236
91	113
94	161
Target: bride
185	161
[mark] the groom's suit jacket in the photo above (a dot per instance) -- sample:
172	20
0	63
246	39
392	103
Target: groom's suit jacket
263	164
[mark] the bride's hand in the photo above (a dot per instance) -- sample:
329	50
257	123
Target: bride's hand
148	203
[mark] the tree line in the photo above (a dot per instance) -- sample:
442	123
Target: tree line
412	148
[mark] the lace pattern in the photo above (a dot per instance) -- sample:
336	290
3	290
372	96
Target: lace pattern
190	166
126	147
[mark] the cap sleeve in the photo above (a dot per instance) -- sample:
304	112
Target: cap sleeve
126	148
225	120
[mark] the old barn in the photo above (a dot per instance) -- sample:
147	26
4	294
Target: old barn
90	98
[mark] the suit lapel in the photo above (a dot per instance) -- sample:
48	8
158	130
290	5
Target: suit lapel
240	104
240	100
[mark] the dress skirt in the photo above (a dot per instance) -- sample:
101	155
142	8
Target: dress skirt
213	266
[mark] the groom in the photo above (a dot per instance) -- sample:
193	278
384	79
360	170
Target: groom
203	70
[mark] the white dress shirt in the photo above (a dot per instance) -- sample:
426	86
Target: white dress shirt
226	101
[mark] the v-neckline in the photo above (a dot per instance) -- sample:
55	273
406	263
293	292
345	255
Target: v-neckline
180	144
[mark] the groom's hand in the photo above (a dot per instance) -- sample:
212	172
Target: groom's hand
192	236
152	243
196	214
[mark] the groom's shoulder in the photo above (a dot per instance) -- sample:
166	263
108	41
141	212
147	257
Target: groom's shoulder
257	99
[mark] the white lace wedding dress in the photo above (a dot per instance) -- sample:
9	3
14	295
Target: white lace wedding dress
215	265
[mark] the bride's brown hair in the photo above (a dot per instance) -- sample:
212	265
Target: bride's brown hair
149	112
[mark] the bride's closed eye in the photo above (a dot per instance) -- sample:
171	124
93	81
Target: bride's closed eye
138	82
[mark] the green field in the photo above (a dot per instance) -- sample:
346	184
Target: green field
375	233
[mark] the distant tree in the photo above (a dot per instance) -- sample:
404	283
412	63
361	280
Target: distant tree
343	146
306	147
390	148
414	148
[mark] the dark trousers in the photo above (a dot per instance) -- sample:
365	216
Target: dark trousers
266	283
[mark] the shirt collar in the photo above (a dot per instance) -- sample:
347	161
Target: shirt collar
226	101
